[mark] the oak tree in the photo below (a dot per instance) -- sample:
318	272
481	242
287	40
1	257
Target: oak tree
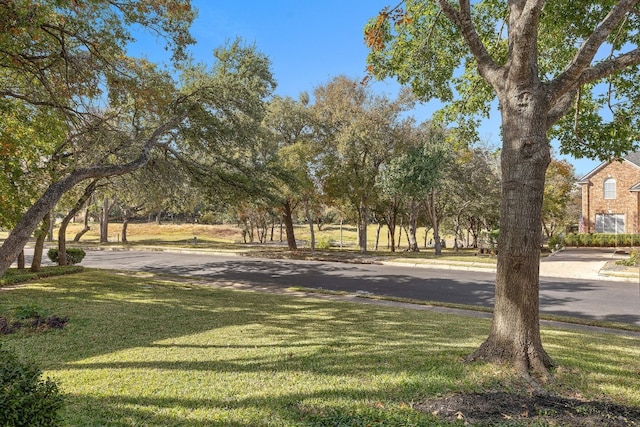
357	130
556	69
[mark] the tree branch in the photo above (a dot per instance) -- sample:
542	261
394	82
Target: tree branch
29	221
608	67
575	71
560	107
462	20
523	28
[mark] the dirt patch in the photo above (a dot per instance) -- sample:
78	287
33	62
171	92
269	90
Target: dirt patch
35	324
501	408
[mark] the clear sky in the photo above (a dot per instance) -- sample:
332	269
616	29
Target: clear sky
308	42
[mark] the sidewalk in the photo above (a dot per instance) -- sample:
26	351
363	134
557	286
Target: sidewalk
570	263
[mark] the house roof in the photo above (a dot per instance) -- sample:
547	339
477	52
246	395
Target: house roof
635	187
633	158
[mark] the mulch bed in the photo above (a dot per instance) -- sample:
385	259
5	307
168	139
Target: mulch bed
502	408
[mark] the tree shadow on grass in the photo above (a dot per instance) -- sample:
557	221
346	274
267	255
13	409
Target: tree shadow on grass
243	354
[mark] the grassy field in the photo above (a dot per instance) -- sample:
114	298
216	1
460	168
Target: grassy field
150	232
145	351
229	238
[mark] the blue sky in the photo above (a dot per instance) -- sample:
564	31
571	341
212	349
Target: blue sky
308	42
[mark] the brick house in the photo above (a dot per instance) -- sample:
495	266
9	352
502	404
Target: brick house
611	197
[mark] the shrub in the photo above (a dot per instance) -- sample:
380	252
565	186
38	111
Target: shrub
554	241
323	243
208	218
571	239
74	255
612	240
632	261
28	311
27	400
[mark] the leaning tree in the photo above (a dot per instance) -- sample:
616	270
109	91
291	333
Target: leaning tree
558	70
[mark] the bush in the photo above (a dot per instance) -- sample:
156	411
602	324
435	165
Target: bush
632	261
554	241
26	399
323	243
74	255
601	240
208	218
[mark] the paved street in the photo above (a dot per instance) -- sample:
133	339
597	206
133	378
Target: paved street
583	297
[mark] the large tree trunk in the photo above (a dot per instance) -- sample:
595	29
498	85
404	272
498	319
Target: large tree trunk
52	223
287	218
104	221
41	236
515	331
310	221
20	260
433	216
363	212
392	231
413	221
62	232
125	225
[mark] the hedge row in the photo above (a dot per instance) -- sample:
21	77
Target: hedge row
601	240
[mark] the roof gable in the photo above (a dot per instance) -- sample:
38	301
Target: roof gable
633	158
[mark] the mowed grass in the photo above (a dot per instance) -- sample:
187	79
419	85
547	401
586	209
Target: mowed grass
228	237
229	233
140	351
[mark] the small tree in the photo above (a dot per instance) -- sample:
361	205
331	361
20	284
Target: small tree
415	174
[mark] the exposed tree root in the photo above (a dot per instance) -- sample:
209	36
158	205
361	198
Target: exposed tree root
532	362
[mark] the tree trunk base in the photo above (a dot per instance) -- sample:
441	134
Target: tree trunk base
529	360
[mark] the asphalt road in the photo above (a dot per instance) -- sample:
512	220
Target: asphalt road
612	301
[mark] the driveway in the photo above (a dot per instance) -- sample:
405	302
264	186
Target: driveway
582	263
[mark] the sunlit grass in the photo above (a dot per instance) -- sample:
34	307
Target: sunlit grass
143	351
184	234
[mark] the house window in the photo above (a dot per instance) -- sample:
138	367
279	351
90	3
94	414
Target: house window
609	188
610	223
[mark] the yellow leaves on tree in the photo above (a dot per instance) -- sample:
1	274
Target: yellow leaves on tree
375	32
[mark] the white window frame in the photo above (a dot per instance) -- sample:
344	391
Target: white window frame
610	223
609	189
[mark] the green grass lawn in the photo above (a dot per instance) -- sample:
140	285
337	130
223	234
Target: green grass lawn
229	235
140	351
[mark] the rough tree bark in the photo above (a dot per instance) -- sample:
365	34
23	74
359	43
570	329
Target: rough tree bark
104	221
307	212
41	236
21	260
287	218
413	226
363	213
433	216
52	223
515	331
62	232
125	225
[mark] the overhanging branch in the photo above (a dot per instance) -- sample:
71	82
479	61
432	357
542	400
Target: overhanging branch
577	70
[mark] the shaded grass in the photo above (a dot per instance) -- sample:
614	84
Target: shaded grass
14	275
144	351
